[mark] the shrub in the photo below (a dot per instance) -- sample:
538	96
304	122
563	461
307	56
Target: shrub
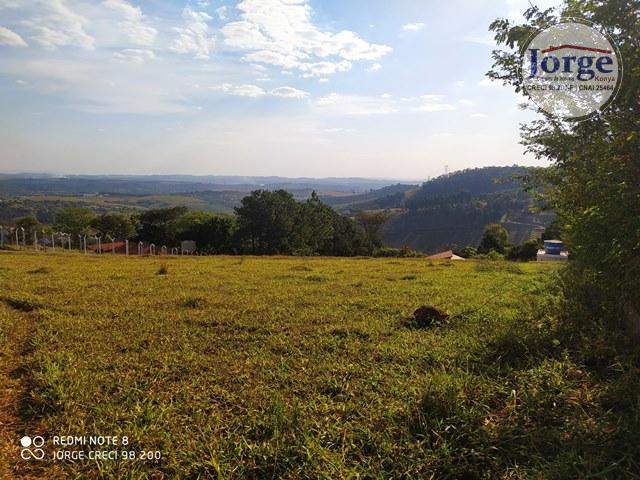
525	252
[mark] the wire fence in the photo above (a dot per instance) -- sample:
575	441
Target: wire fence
17	238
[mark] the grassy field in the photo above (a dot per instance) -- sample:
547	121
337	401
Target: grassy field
242	367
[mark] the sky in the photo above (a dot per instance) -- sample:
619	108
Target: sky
315	88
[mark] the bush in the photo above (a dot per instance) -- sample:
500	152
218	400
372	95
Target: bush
525	252
404	252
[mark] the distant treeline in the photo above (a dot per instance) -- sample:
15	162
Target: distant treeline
265	223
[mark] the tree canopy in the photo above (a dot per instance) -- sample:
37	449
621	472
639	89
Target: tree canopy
594	181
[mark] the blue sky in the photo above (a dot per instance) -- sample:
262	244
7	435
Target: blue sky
254	87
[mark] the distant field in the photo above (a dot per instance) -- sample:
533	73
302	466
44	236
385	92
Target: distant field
243	367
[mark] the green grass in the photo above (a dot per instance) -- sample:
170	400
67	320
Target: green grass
308	368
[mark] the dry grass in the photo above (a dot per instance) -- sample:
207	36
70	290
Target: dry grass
306	368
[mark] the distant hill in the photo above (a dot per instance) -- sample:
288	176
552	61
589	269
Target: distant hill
393	196
445	212
452	211
27	185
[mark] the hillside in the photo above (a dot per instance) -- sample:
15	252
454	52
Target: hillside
452	211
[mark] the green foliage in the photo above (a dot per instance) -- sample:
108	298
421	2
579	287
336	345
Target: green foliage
116	225
554	231
495	238
404	252
467	252
458	218
161	225
275	223
593	184
266	221
461	187
74	220
371	224
525	252
30	225
213	234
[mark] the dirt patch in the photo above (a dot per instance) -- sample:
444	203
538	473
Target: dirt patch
22	304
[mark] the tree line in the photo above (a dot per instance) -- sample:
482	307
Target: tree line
265	223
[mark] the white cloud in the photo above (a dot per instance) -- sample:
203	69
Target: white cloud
134	55
432	103
222	12
252	91
194	37
413	27
466	102
132	22
459	83
360	105
337	104
102	87
376	67
10	38
288	92
323	69
56	25
280	33
478	115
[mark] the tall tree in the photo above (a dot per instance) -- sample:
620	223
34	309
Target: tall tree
594	182
314	229
266	221
495	238
116	225
161	225
74	220
371	224
30	225
212	233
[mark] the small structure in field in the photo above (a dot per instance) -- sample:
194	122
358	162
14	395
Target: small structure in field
553	252
448	255
188	247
